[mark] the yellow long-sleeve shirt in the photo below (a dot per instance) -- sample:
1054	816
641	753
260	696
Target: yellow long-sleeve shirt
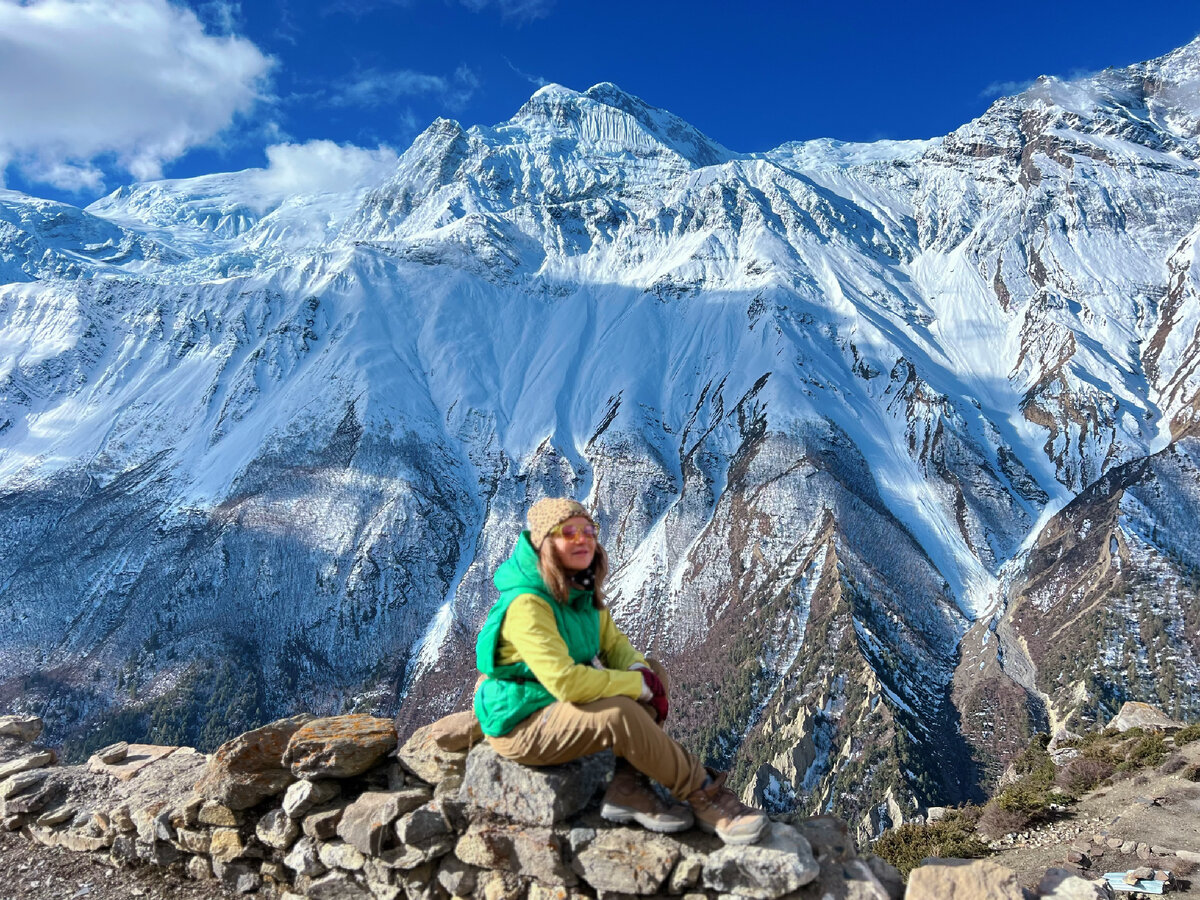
530	635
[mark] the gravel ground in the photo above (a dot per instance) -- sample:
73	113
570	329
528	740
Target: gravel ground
30	871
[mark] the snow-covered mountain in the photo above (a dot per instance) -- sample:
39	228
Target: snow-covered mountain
840	410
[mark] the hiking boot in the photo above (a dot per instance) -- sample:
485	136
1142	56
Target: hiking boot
630	798
717	809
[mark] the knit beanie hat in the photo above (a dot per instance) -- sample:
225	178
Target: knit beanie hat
549	512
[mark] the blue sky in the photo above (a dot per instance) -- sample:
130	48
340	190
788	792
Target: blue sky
97	93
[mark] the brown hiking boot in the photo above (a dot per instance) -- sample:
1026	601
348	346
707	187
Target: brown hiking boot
630	798
717	809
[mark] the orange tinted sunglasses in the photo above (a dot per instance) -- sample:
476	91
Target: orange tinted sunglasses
571	532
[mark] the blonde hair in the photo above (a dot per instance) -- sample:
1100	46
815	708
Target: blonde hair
558	579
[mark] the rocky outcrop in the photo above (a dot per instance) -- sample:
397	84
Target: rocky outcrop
315	808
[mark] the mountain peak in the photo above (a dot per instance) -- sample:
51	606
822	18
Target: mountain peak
606	114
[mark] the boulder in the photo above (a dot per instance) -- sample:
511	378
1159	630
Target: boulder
530	852
23	728
249	768
277	829
21	782
828	837
36	760
965	879
367	821
423	825
337	886
781	862
533	795
627	860
113	753
304	795
339	746
1062	884
322	824
303	859
340	855
1135	714
433	759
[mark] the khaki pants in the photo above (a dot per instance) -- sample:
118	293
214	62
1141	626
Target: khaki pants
565	731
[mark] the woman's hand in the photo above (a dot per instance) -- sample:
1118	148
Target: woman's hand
658	694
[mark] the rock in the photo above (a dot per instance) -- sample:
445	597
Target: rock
304	858
337	886
199	868
226	844
686	875
828	837
239	877
194	841
531	852
304	795
57	816
21	782
542	795
1114	843
218	814
422	755
553	892
456	877
366	822
627	860
979	879
1061	884
322	824
1188	855
1128	847
1142	873
781	862
29	761
339	746
249	768
1143	851
887	875
1142	715
277	829
424	824
31	801
23	728
341	855
113	753
153	822
407	858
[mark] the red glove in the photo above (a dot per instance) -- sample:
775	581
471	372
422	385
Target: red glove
658	693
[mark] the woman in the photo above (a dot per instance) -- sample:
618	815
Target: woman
562	681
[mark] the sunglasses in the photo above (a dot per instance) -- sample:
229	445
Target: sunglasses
571	532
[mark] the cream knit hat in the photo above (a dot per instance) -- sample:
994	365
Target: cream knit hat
551	511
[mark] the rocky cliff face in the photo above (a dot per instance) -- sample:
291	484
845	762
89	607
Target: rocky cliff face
843	411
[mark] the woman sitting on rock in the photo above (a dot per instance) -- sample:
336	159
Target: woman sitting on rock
562	682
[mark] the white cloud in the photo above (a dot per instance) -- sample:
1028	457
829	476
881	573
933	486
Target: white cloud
513	9
374	87
323	166
137	81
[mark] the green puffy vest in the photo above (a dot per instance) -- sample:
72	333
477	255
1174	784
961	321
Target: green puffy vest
511	693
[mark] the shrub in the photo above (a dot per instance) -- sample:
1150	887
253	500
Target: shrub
997	821
1084	773
1147	750
953	836
1188	734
